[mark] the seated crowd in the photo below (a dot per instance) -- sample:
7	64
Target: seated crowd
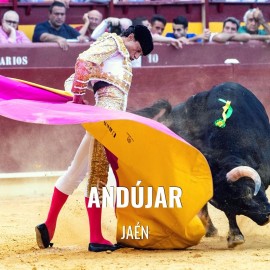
55	29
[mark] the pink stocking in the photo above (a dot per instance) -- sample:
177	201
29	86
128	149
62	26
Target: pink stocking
58	200
94	216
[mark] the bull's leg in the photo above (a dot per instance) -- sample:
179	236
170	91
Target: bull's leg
206	220
235	237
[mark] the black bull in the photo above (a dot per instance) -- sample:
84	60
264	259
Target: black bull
238	154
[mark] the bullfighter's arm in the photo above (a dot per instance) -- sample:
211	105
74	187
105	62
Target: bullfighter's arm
89	66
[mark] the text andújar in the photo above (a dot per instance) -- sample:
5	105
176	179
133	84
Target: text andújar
137	197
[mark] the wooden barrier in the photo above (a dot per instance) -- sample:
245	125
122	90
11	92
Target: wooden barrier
167	73
162	74
35	148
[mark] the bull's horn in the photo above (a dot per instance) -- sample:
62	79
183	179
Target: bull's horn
242	171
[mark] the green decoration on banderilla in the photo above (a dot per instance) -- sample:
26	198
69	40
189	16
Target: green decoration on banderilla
227	112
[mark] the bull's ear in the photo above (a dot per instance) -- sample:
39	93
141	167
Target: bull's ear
245	171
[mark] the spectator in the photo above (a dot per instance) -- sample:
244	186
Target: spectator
230	25
55	29
230	33
157	26
253	19
111	25
8	30
158	23
91	20
180	31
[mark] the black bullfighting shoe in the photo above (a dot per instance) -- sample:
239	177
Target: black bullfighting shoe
102	247
42	236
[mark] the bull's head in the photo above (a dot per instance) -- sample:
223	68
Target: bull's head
243	194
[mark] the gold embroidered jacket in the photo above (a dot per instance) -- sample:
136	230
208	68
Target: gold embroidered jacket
106	60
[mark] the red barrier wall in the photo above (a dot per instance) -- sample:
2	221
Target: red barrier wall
32	147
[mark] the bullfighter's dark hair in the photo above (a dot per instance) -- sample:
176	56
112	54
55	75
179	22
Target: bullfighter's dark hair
142	35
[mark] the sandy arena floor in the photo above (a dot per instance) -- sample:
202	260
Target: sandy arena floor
24	204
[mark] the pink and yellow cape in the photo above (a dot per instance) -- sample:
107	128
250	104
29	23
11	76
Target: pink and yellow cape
142	150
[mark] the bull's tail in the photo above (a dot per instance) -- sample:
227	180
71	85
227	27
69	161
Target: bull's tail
158	111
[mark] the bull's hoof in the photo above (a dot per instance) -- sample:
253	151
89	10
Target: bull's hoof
235	240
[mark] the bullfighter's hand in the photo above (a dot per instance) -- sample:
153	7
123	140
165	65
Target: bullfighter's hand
79	99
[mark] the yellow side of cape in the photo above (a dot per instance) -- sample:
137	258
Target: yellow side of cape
157	160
